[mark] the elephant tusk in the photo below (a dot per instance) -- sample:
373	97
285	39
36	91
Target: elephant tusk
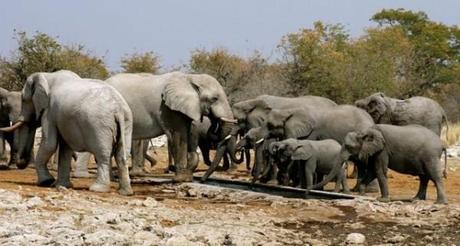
228	137
228	120
260	140
13	127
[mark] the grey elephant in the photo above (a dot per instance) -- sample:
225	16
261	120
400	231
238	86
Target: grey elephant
253	113
330	123
215	137
78	115
10	109
265	168
316	158
415	110
410	149
163	104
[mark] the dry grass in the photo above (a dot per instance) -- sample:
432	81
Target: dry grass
453	136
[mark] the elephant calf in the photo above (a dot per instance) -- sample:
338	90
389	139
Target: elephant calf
411	149
320	157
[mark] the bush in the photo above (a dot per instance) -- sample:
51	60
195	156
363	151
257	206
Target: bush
141	63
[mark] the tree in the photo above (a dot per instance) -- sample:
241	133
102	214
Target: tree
436	48
42	53
141	63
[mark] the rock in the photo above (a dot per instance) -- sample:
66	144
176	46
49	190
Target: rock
179	241
355	238
145	238
396	239
34	202
150	202
106	237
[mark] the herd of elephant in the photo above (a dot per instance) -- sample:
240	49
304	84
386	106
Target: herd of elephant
304	141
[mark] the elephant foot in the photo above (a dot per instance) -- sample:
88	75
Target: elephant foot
383	199
126	191
65	184
98	187
372	189
272	182
82	174
46	182
138	172
4	166
346	191
441	201
183	176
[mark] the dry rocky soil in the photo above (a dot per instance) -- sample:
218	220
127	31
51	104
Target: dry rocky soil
197	214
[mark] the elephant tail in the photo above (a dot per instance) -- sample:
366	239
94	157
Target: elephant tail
332	174
122	145
444	118
444	173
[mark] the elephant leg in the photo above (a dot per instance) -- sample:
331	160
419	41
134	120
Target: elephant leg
102	183
247	155
380	171
47	148
171	167
81	165
138	158
421	193
3	156
308	175
226	165
437	178
65	158
149	158
180	157
123	173
204	148
273	174
343	180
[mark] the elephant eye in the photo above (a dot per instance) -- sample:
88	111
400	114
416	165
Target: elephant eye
213	99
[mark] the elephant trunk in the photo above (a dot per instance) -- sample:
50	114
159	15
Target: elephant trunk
24	143
221	149
259	162
13	127
231	147
339	167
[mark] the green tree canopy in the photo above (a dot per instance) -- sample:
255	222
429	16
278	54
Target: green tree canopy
42	53
146	62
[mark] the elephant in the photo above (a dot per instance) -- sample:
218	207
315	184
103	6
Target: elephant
187	98
411	149
415	110
157	103
77	115
265	168
10	109
218	138
253	113
318	157
329	123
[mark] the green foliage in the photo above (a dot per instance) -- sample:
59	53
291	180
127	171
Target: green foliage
241	78
42	53
141	63
436	49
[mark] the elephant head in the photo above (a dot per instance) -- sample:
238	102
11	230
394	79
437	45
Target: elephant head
376	105
251	113
363	144
296	123
196	96
35	101
21	145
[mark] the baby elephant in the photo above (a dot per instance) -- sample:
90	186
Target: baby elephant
321	157
410	149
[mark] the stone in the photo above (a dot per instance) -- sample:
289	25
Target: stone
355	238
396	239
150	202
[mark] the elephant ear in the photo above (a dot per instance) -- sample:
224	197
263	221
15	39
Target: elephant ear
39	91
183	96
302	152
297	127
372	143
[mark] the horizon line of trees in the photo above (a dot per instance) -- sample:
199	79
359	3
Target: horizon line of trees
406	55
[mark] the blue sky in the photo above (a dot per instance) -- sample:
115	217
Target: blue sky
174	28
